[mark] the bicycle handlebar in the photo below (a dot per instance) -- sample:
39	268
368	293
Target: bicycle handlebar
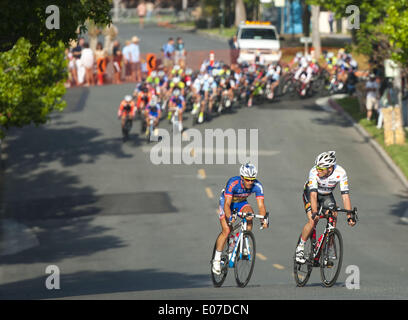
250	214
354	216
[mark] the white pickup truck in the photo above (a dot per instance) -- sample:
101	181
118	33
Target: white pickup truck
258	39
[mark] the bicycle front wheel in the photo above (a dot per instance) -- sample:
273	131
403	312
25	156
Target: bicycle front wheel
331	258
302	271
218	279
245	261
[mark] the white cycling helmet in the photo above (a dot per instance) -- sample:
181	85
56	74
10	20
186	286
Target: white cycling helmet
326	159
176	92
153	74
210	80
176	80
248	170
128	98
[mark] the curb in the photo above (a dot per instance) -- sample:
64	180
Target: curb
383	154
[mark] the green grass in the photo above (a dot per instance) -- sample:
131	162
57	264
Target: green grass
226	32
185	24
398	153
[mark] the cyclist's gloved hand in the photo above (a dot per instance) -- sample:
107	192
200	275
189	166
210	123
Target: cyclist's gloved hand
231	220
351	220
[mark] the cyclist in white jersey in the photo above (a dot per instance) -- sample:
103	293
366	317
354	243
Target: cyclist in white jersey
323	178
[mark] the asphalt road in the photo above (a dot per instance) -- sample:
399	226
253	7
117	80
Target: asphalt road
119	227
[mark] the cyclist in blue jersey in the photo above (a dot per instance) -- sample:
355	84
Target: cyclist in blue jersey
177	102
234	197
152	111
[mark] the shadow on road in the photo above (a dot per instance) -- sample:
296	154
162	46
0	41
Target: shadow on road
100	282
35	148
401	209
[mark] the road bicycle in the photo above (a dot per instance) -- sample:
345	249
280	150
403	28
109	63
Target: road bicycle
242	256
326	252
127	127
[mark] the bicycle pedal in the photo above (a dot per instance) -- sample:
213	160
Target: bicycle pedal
329	264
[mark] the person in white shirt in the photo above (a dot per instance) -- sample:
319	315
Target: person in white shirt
87	60
372	88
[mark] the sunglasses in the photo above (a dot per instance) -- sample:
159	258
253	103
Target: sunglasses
321	168
249	179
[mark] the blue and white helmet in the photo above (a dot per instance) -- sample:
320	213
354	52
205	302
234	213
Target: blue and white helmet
326	159
248	170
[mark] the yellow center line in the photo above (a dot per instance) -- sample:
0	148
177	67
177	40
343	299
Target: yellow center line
278	266
261	256
209	193
201	174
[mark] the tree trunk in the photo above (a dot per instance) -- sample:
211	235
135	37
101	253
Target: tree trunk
305	18
240	13
315	32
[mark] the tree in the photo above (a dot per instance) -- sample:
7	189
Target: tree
28	93
240	12
395	27
32	61
306	15
27	18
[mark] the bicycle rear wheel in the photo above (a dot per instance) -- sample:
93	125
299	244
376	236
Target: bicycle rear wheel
302	271
218	279
331	258
244	264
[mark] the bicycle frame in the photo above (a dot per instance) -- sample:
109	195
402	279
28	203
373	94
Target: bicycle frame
243	225
317	245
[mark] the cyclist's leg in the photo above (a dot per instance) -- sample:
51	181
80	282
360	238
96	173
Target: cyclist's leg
308	227
329	201
222	237
123	120
246	207
311	223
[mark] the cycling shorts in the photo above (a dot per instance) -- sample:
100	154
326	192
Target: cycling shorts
234	206
322	200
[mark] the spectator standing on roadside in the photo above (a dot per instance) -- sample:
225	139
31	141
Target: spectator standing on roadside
135	60
117	63
388	99
126	60
88	60
80	69
141	12
149	10
234	50
101	57
372	88
179	52
168	50
71	68
331	19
